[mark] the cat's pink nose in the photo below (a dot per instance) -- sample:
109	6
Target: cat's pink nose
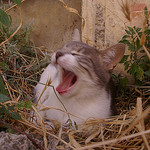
59	54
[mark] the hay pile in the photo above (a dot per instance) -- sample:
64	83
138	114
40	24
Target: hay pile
129	130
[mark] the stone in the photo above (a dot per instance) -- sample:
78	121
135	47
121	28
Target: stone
10	141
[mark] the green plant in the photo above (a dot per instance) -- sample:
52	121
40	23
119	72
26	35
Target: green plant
19	64
5	20
120	81
8	110
137	63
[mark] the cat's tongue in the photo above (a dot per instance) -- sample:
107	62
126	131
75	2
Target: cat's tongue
66	83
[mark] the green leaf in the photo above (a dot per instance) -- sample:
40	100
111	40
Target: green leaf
124	41
2	109
28	104
10	108
131	56
131	30
134	68
16	116
146	59
139	73
124	81
20	105
18	2
131	47
4	19
127	31
3	98
9	130
142	51
4	66
25	104
126	66
138	46
147	73
129	71
10	19
140	34
125	36
125	57
2	87
5	29
145	10
138	29
147	31
147	37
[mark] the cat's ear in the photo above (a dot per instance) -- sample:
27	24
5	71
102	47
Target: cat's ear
76	36
112	55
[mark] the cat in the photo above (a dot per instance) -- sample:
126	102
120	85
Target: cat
81	76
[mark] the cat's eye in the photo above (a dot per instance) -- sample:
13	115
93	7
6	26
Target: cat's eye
74	53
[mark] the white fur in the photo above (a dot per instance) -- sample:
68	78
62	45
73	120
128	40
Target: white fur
86	100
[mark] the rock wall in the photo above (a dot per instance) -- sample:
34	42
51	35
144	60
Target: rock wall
10	141
104	21
52	23
107	22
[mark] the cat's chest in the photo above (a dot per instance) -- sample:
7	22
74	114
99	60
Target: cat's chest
79	107
83	102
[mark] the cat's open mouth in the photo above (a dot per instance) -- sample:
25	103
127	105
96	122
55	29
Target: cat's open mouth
68	81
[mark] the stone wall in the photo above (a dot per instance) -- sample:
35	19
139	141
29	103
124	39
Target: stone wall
52	23
107	23
104	21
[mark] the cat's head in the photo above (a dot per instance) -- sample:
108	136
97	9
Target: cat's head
83	67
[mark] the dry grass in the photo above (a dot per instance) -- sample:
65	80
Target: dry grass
129	130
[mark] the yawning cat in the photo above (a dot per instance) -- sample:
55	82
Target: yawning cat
81	78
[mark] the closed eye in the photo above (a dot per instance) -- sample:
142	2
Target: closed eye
76	53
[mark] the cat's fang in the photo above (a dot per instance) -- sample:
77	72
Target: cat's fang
68	81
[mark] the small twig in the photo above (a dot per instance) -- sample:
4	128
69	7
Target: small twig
142	87
35	142
13	6
73	11
48	82
43	127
